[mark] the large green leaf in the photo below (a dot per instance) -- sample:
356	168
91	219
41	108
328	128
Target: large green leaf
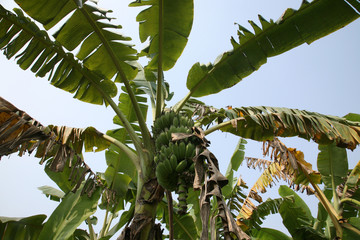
184	227
120	162
270	234
297	217
21	228
45	56
70	175
265	123
332	163
70	213
117	181
100	49
167	23
311	22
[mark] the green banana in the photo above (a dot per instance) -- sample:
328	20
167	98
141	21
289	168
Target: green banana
175	150
173	162
181	166
190	150
167	179
176	122
182	149
156	159
192	167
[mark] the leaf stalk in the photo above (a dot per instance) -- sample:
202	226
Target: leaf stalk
144	130
159	97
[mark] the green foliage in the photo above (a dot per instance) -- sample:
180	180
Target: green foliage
348	234
297	217
234	164
141	164
264	123
270	234
70	213
100	49
67	73
264	209
332	163
21	228
184	226
273	38
168	34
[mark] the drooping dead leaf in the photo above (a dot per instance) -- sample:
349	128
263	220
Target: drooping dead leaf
17	127
57	146
211	188
285	166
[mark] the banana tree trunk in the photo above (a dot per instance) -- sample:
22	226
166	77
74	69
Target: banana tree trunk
149	194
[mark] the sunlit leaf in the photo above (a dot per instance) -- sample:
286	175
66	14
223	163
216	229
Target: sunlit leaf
332	163
265	123
21	228
175	24
45	56
69	214
293	28
297	217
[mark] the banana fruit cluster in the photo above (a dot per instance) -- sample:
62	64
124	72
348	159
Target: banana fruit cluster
174	164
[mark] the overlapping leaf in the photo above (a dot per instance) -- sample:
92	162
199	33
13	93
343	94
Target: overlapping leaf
270	206
285	166
121	169
114	157
101	50
69	214
44	56
265	123
21	228
311	22
332	163
297	217
167	25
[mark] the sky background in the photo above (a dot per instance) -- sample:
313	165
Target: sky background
322	77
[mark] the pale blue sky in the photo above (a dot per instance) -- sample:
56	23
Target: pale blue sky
321	77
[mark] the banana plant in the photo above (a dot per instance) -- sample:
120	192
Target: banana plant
149	166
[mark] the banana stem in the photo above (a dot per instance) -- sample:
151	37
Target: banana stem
350	200
159	97
91	229
324	201
221	125
102	232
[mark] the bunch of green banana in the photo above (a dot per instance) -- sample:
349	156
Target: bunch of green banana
174	164
171	119
172	161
